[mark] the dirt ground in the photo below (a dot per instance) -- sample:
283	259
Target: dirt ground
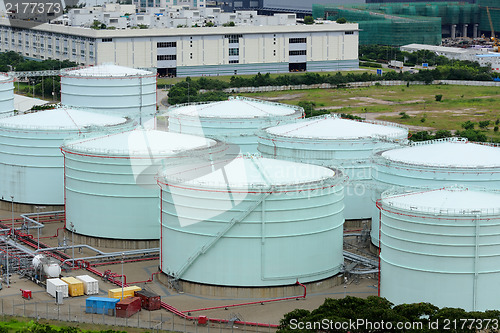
141	271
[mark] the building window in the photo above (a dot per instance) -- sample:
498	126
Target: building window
234	52
297	53
107	40
233	39
166	44
297	40
166	57
349	32
234	61
190	56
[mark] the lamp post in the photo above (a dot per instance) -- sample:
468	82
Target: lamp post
7	260
123	258
38	220
72	228
12	206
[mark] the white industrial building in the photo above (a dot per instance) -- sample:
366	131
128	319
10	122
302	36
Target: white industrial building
483	56
192	51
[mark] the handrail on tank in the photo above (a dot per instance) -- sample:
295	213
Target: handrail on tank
403	192
294	107
430	142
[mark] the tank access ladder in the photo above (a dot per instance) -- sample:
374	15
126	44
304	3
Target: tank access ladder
221	233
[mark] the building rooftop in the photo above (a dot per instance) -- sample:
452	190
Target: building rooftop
328	127
434	48
175	32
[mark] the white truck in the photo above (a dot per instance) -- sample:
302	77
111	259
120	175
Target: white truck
396	64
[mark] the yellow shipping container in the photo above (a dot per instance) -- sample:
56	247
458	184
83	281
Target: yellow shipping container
75	287
127	292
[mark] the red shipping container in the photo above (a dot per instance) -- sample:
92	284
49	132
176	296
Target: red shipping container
26	293
202	320
149	301
128	307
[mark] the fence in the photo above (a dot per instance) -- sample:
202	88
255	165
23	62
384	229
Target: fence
155	321
355	85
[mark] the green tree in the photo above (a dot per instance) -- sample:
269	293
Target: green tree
484	123
308	107
308	20
468	125
341	20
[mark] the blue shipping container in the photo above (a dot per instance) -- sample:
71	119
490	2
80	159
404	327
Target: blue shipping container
101	305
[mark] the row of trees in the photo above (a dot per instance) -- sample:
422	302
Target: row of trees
19	63
417	317
460	70
468	131
383	53
43	85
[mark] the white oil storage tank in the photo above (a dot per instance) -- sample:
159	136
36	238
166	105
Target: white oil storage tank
251	222
335	142
111	89
31	163
111	189
6	96
236	120
441	246
434	163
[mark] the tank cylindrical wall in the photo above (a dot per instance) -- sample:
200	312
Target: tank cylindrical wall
132	96
353	156
6	97
289	236
390	174
104	200
434	259
112	193
32	166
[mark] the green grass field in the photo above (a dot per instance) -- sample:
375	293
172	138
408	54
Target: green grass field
458	104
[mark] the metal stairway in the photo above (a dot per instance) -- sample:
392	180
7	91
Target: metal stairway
221	233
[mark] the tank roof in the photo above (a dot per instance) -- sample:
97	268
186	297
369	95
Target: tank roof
446	153
333	127
4	77
446	201
60	119
238	107
251	171
140	142
107	70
